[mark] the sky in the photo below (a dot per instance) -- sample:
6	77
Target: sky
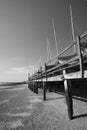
24	27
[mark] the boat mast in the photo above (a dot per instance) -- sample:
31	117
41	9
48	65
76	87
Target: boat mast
55	36
48	50
72	28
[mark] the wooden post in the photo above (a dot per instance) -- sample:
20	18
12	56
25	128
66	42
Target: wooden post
80	57
45	72
45	84
37	83
68	94
41	84
34	87
37	87
28	80
31	86
44	90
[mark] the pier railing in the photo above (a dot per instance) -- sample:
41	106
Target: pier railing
59	63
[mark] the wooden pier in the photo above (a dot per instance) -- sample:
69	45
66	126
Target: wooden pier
63	69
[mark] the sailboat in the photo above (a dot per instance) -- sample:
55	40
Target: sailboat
83	44
63	59
59	60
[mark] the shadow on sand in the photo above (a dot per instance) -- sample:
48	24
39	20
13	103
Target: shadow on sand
54	98
80	116
79	92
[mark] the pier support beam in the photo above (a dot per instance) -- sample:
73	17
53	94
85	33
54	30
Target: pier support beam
36	87
45	84
80	57
68	94
44	90
31	86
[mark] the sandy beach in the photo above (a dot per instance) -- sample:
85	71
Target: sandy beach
21	109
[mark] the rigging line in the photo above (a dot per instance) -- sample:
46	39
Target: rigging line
38	63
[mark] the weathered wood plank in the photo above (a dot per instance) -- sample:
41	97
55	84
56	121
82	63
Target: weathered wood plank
80	56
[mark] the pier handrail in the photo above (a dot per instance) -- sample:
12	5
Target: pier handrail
61	52
67	48
59	67
83	35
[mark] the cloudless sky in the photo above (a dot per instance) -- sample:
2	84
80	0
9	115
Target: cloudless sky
24	27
